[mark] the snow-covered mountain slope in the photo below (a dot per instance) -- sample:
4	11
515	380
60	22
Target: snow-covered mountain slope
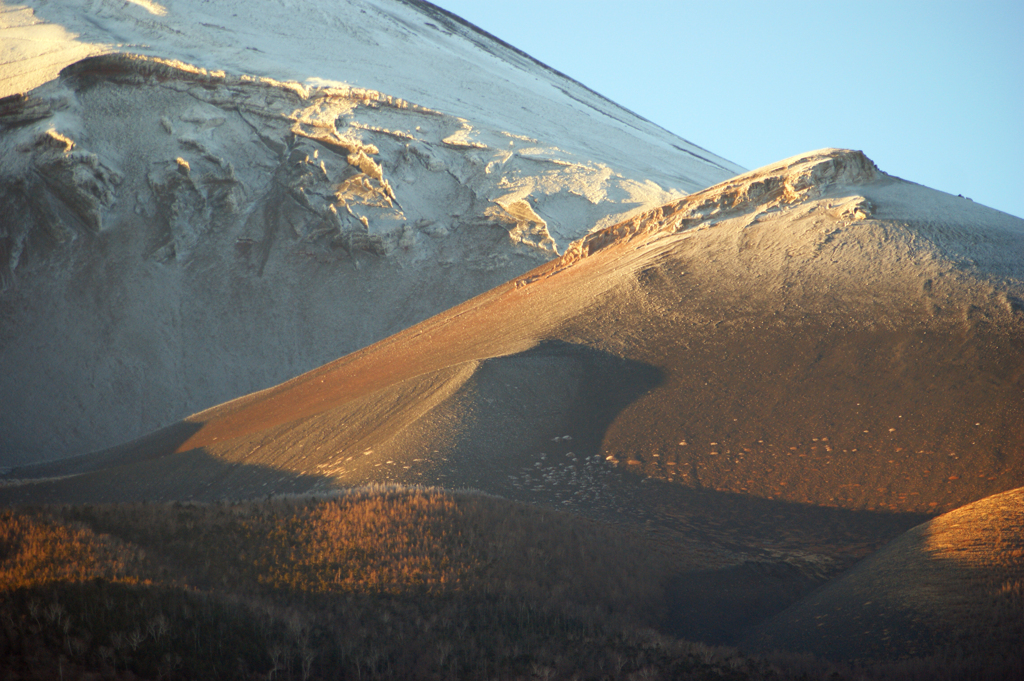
222	195
405	48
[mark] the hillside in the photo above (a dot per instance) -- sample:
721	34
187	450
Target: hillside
374	583
741	398
955	582
192	204
795	365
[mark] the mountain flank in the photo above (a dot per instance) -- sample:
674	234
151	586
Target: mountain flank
203	208
383	582
804	361
766	385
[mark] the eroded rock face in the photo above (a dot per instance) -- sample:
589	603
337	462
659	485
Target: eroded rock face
173	237
802	178
55	193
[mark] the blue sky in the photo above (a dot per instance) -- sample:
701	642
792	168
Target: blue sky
933	92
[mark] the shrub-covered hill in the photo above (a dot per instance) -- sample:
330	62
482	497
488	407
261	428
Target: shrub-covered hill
371	584
956	581
384	583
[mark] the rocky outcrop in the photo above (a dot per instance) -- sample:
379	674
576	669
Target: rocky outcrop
795	180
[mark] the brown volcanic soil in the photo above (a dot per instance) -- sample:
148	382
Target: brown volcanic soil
800	363
955	582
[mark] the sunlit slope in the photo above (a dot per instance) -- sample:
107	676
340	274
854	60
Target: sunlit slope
955	582
813	333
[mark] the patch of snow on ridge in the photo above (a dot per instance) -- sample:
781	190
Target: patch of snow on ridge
801	178
151	7
848	188
33	51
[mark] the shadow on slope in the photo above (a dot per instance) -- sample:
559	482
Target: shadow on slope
467	424
535	410
152	445
744	559
193	475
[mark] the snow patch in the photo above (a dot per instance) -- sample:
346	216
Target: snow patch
153	8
